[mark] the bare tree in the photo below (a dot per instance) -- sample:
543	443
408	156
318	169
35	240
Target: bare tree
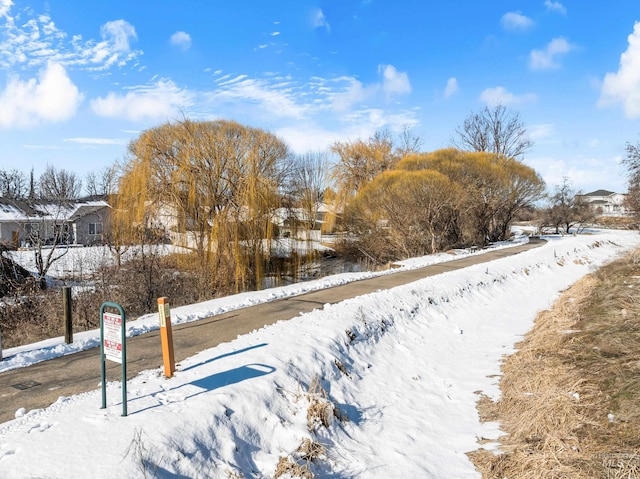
91	184
567	208
59	185
47	230
494	130
309	177
408	142
13	184
101	183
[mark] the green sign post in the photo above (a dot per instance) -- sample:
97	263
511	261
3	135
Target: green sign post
113	346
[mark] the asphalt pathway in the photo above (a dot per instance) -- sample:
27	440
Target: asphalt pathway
41	384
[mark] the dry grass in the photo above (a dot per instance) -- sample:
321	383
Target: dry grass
287	467
570	404
319	413
308	452
320	409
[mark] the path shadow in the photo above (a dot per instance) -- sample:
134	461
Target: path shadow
239	351
206	384
232	376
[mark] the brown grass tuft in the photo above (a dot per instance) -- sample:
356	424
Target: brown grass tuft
320	409
287	467
310	450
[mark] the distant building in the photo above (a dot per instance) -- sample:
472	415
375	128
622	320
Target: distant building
79	222
606	203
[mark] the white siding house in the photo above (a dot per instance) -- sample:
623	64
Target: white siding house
607	203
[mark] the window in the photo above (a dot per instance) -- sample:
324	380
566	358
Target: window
32	229
95	228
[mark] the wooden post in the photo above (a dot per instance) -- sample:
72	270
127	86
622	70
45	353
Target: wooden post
66	306
166	336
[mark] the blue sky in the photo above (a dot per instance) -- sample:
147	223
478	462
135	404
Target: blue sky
79	80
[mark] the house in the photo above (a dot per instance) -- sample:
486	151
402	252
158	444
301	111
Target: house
303	224
75	222
606	203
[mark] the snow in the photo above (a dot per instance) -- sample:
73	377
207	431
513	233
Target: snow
407	375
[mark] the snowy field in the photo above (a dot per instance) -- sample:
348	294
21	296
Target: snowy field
402	368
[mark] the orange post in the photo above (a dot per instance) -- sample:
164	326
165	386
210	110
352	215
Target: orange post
166	336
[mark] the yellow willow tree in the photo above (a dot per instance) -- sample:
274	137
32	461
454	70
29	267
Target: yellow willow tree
360	161
496	189
406	213
213	185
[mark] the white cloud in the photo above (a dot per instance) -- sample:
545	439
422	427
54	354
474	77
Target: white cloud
115	49
515	21
5	6
548	58
118	33
35	41
585	173
540	131
160	101
451	88
95	141
623	86
306	138
275	34
366	121
315	113
393	81
318	20
500	96
52	97
275	97
181	40
553	6
359	124
354	93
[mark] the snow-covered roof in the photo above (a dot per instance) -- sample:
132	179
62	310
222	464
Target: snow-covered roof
14	210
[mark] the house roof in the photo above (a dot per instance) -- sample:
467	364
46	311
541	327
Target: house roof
600	193
14	210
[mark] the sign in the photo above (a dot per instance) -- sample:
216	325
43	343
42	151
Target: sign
113	346
112	324
164	311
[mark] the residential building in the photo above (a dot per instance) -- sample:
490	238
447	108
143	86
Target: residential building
606	203
79	222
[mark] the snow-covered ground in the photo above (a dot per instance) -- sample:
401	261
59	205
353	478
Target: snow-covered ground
403	367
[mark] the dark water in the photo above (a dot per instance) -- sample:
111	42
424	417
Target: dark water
316	269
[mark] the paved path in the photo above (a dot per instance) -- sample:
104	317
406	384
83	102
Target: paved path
80	372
